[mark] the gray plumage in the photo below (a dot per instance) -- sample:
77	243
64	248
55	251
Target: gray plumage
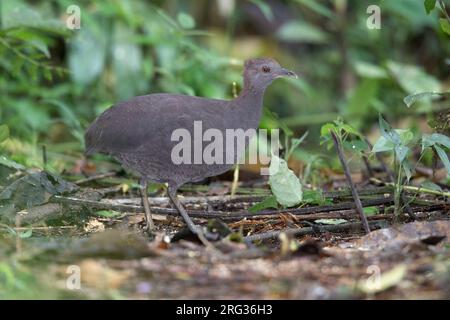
138	132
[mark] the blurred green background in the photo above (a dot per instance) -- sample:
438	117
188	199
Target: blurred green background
54	81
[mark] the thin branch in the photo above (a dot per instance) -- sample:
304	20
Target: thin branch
226	215
311	230
355	195
385	168
96	177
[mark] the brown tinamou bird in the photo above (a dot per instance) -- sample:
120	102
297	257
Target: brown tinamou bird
139	132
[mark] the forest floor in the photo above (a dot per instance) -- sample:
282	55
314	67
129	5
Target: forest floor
92	245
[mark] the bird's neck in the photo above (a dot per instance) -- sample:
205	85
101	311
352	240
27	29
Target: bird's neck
249	105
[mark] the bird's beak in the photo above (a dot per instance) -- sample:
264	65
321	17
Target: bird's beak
287	73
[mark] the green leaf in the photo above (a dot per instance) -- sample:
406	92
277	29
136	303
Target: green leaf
401	152
382	145
297	31
11	164
108	213
370	211
356	145
387	131
396	140
284	184
315	196
444	158
185	20
325	129
4	132
369	70
412	98
435	138
429	5
330	221
269	202
445	25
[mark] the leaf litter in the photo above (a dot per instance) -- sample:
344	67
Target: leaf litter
118	260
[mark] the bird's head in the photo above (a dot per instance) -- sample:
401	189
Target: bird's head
260	72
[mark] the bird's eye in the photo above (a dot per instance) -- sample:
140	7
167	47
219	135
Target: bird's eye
266	69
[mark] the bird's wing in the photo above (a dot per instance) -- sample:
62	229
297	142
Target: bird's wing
145	120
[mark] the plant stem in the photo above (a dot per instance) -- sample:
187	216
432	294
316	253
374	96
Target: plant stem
398	191
355	195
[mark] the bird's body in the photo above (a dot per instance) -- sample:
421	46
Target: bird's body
139	132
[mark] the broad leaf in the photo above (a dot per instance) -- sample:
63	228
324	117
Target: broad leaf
383	144
444	158
429	5
296	31
356	145
435	138
445	25
412	98
412	78
369	70
387	131
370	211
269	202
284	184
185	20
401	152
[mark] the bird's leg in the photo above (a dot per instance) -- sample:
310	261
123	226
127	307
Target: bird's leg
172	192
144	196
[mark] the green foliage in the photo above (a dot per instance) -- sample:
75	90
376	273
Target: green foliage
411	99
445	25
438	141
108	213
429	5
269	202
349	136
400	142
